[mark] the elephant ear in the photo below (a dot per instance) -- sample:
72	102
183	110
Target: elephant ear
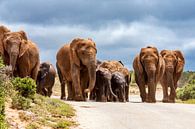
138	67
3	31
180	61
163	52
73	51
24	44
23	35
160	68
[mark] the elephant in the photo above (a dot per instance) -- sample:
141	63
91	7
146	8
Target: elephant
76	66
114	66
3	30
102	89
174	64
45	79
119	85
21	54
149	68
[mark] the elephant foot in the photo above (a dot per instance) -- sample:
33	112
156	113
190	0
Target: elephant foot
127	100
171	99
79	98
70	98
63	98
104	99
151	101
165	100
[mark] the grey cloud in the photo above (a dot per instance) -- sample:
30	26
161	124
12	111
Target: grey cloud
93	13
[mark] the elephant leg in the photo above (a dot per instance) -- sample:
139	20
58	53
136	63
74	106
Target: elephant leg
165	92
103	94
34	72
76	83
84	83
151	93
127	93
63	93
142	90
70	91
50	91
172	94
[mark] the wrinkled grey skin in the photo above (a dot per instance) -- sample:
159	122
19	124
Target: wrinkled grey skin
102	90
46	79
118	83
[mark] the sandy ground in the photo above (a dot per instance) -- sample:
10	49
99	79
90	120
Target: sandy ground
134	115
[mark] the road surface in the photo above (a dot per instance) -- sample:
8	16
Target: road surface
134	115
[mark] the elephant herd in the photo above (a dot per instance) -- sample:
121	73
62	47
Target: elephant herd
83	76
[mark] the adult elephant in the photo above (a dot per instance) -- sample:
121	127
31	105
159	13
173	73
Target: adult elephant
76	65
3	30
149	67
117	66
103	89
20	54
174	64
46	79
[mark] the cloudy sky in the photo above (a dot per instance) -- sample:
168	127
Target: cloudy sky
119	27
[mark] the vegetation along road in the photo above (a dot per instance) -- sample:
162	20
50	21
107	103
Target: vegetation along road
134	115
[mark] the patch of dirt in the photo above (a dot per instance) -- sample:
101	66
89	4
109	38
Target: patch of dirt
13	117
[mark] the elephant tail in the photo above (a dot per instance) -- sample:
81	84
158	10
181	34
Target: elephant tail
59	73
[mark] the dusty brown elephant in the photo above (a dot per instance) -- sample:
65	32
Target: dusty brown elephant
117	66
174	64
45	79
76	65
3	30
20	54
149	68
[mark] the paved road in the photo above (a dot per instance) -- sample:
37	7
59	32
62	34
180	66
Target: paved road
134	115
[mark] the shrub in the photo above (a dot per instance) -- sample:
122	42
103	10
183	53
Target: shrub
186	92
20	102
25	87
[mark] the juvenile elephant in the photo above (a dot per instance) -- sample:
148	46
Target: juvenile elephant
119	85
102	89
149	68
46	79
117	66
20	54
174	64
76	65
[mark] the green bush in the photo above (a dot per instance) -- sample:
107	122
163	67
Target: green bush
2	104
20	102
26	87
3	92
1	62
186	92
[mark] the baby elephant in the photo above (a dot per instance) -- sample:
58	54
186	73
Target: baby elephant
46	79
102	88
119	85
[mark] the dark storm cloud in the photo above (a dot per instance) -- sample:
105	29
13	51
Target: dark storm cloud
120	28
93	12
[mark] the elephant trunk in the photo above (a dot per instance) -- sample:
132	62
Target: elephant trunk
13	60
151	86
110	88
92	78
170	81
